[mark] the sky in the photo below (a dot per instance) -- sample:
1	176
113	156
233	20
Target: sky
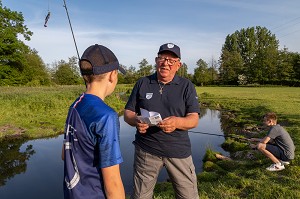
134	29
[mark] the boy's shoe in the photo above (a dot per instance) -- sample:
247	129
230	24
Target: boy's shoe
284	162
275	167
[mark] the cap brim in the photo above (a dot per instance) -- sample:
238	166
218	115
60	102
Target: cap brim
122	70
169	51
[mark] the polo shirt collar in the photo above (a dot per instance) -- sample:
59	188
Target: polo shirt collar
153	79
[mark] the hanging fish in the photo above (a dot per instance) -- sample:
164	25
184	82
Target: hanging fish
46	19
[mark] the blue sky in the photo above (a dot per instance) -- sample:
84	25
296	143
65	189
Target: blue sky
135	29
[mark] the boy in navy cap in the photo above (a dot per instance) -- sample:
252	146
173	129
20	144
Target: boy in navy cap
91	150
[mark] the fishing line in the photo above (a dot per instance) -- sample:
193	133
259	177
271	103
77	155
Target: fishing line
230	136
65	6
207	133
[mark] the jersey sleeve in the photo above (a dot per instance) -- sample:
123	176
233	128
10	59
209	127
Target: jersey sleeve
108	141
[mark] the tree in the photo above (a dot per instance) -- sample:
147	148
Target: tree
131	76
252	52
12	49
213	71
67	73
231	66
35	70
201	73
284	69
145	68
183	70
296	66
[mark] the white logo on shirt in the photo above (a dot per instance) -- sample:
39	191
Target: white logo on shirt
149	95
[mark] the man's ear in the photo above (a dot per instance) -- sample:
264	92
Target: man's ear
179	65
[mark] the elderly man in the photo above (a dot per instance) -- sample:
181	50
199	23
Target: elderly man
167	143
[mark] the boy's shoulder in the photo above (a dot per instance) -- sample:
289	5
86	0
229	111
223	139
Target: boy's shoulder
92	106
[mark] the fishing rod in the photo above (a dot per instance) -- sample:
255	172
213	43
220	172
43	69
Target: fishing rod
230	136
65	6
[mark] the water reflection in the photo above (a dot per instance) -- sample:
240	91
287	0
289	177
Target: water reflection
24	175
12	160
42	174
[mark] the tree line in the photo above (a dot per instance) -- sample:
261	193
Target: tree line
249	56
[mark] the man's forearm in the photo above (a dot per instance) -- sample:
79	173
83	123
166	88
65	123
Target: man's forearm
130	117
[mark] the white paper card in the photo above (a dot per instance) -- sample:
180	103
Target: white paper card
150	117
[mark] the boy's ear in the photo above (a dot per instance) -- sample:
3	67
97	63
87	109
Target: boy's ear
112	75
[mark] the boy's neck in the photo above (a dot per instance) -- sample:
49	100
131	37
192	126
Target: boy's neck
97	90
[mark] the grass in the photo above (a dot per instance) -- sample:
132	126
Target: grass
41	111
282	100
35	112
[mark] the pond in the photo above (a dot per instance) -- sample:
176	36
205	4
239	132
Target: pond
35	170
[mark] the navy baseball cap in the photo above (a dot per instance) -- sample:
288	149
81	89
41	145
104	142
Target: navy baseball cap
102	60
170	47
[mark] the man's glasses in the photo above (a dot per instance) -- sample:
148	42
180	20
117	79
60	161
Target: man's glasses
169	61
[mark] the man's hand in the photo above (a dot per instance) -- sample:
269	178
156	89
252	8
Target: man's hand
168	124
141	127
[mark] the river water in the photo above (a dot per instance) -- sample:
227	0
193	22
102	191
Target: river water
34	169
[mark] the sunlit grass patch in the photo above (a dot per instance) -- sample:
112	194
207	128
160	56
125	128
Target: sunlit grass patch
42	111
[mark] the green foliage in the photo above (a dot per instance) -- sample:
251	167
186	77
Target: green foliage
9	76
204	75
145	68
251	56
12	49
252	52
200	77
35	70
183	70
67	73
130	77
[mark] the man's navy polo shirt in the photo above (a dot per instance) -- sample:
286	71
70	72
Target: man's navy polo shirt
178	98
